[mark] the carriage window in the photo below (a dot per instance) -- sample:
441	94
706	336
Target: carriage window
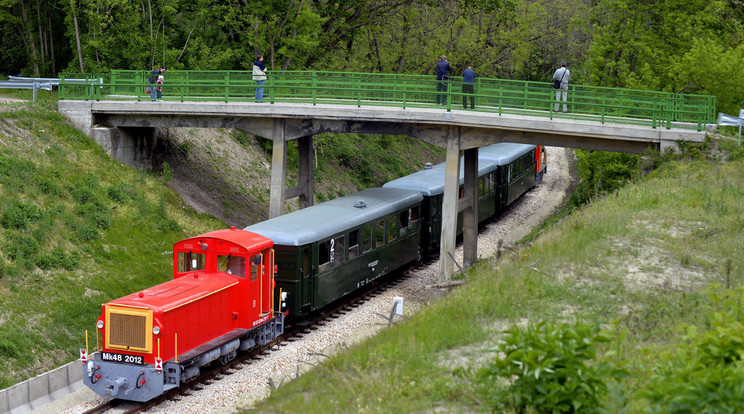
414	215
234	265
188	261
482	186
256	262
324	255
353	243
404	221
367	238
337	250
380	233
390	230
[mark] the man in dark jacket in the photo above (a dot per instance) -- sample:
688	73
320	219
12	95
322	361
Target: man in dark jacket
468	78
443	69
152	78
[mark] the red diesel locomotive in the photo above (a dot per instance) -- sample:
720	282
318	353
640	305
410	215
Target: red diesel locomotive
221	300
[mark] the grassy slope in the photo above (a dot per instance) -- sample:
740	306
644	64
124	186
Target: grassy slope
77	229
641	259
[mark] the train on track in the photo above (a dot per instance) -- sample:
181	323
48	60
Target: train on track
234	290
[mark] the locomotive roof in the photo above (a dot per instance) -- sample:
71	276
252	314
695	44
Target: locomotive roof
430	182
335	216
247	240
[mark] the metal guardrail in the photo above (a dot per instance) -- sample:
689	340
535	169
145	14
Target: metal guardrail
48	84
499	96
728	120
35	86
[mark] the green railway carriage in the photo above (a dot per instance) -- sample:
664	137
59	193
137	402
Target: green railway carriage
327	251
505	172
516	171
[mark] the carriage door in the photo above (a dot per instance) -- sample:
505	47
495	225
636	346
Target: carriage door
306	276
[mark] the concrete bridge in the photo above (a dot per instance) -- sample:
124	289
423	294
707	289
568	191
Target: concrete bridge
128	131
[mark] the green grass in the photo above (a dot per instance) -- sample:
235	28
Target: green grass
640	263
76	229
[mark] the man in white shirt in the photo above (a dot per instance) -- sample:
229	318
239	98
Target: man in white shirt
561	94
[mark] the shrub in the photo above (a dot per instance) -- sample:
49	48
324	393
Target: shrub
121	192
549	369
18	215
20	246
88	232
705	373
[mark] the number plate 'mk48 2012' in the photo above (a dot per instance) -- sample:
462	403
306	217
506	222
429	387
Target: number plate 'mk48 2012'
127	359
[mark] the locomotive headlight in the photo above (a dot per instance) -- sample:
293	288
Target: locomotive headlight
156	330
99	324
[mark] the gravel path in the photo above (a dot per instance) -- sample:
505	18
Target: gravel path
250	384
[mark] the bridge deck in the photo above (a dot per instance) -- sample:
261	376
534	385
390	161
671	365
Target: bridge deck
476	128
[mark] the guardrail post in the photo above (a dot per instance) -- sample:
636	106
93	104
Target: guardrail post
359	91
227	86
395	87
501	100
449	95
270	81
313	84
36	86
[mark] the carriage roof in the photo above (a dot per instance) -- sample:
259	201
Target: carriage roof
335	216
430	182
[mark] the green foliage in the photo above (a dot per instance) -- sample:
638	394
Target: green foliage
706	372
19	215
602	172
678	46
549	368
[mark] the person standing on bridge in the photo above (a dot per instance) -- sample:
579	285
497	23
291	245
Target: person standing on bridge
443	69
159	87
152	79
259	75
561	77
468	78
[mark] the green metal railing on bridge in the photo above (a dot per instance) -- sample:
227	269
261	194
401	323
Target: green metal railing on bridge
590	103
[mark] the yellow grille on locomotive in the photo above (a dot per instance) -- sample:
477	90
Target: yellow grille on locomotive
129	329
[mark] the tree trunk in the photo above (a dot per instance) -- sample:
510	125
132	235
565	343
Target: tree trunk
26	23
77	36
294	36
42	38
51	43
152	40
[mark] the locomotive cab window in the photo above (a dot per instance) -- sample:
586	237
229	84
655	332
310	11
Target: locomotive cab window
189	261
256	262
234	265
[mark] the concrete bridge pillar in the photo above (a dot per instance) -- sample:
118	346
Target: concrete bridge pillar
449	206
279	191
469	207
